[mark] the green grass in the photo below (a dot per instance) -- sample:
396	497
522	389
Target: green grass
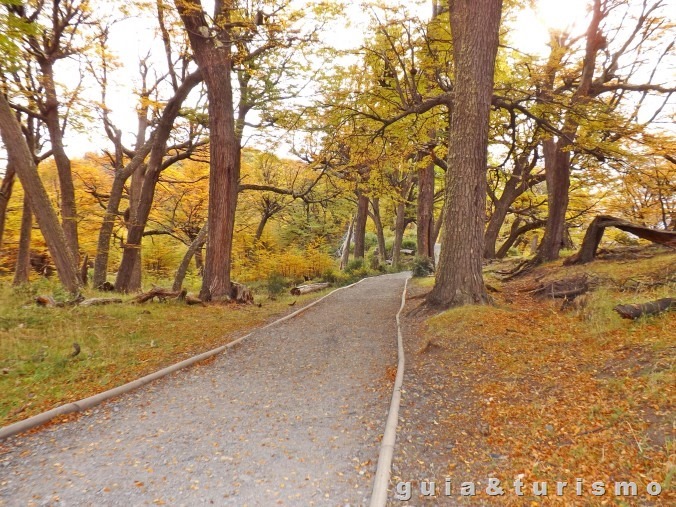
119	343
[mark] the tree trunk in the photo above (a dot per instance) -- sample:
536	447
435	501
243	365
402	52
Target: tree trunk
595	231
360	226
22	159
425	215
63	166
261	225
382	249
132	247
106	230
345	256
5	194
515	233
23	258
194	247
558	152
557	172
215	62
459	278
399	226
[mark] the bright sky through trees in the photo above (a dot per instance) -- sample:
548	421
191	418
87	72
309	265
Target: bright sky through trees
135	37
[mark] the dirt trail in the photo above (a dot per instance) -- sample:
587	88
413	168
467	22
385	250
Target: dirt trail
292	416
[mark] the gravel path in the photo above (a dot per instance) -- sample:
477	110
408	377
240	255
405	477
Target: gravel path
292	416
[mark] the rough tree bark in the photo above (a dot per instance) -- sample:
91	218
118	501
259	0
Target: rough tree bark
360	225
459	278
23	259
425	215
214	58
557	151
21	157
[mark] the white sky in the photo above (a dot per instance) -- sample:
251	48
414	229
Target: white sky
133	38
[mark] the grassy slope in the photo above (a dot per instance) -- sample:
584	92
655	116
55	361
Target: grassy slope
119	343
566	394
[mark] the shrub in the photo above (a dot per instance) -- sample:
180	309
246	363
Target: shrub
354	265
422	266
276	284
409	244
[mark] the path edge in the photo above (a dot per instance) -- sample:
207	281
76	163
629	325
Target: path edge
384	467
92	401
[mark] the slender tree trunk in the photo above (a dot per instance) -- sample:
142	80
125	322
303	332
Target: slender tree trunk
261	225
23	258
21	157
132	247
515	233
345	257
194	247
380	232
106	231
425	215
360	226
459	278
63	166
5	194
399	226
135	196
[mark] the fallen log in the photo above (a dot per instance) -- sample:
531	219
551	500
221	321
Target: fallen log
568	288
306	289
158	292
595	231
241	293
46	301
100	301
652	308
191	300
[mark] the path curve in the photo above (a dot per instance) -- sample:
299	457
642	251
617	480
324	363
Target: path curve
292	416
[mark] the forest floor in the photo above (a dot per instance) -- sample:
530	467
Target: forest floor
527	390
118	343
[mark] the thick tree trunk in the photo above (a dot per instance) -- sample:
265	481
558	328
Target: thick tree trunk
380	232
425	215
63	166
215	62
557	171
558	152
224	150
5	194
459	278
193	249
21	157
23	258
360	226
